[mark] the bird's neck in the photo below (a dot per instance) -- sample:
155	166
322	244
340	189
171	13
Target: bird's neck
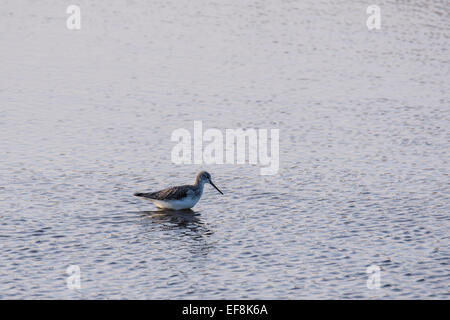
199	183
199	187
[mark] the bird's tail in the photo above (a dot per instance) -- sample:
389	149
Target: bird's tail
138	194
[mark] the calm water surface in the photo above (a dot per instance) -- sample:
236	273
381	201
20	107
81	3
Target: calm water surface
86	118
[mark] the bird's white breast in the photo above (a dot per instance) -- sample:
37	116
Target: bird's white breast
185	203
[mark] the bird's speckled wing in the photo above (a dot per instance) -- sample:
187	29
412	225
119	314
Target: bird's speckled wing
173	193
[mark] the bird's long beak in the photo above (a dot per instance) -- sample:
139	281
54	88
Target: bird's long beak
215	186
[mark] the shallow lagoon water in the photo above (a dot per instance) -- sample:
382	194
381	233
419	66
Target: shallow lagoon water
86	119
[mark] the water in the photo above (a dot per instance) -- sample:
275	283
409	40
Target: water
86	118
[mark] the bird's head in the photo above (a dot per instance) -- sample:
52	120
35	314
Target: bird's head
204	177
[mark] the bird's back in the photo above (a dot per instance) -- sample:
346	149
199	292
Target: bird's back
172	193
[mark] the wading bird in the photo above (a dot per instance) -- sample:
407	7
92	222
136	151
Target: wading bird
180	197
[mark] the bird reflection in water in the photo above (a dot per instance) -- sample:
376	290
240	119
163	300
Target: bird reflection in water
189	228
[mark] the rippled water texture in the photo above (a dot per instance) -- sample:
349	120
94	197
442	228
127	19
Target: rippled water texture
86	119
